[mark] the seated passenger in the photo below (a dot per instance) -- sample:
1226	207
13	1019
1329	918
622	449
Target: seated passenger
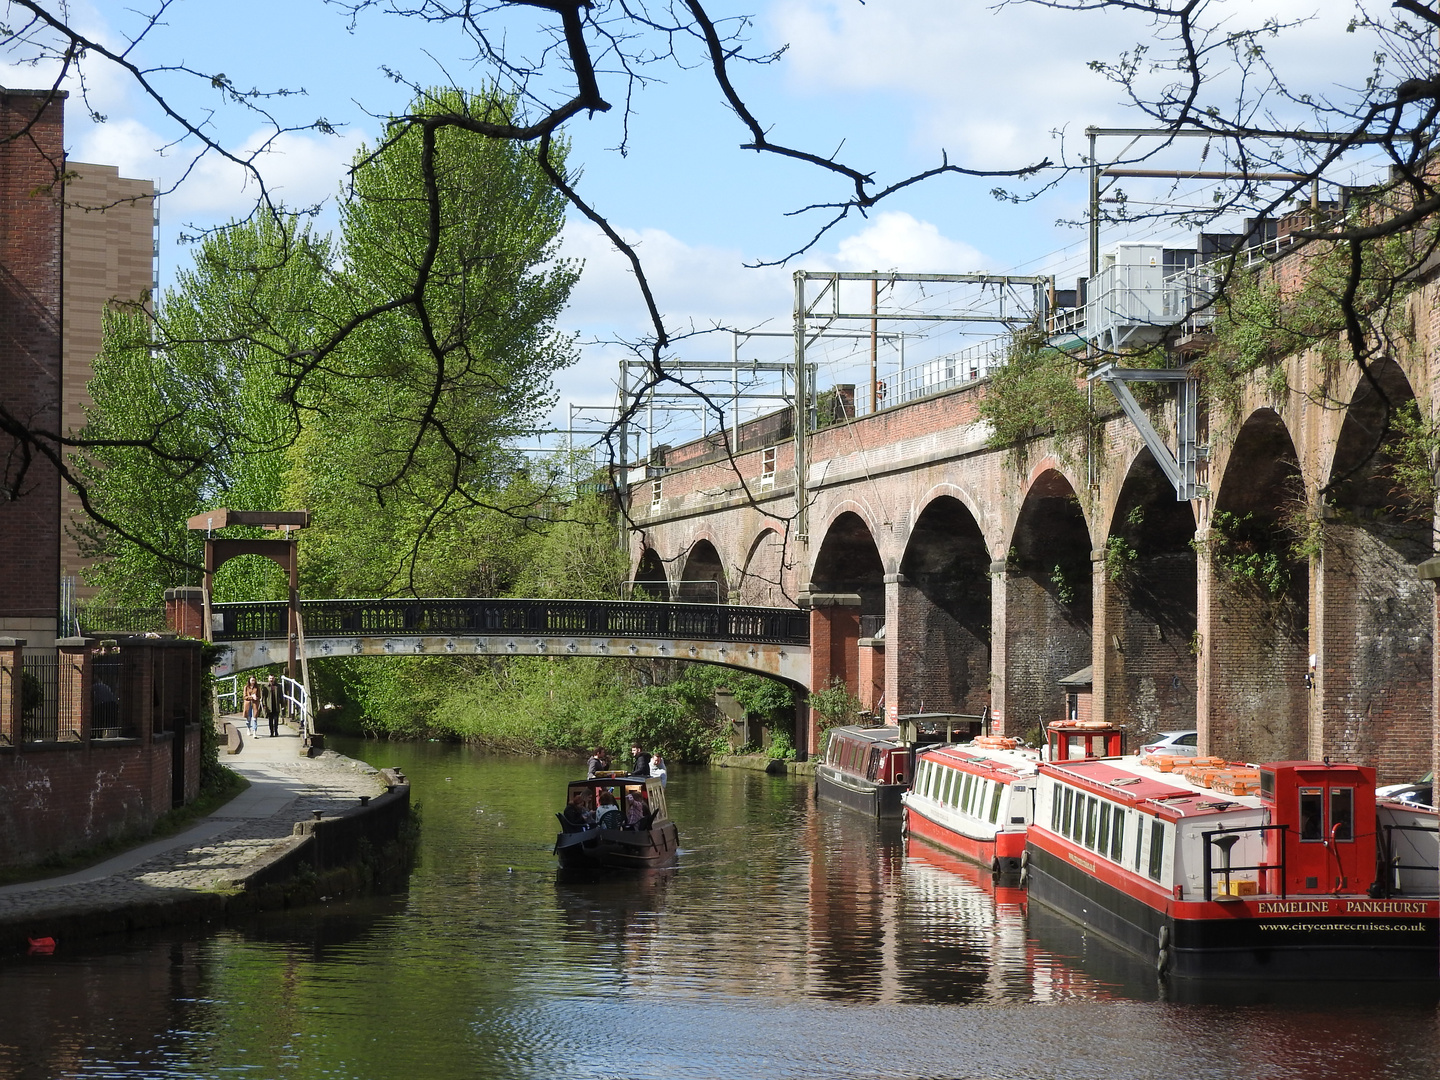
575	813
608	815
635	808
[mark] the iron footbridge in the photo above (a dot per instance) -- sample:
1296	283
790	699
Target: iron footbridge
768	641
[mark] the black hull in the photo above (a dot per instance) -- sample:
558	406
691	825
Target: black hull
869	798
619	849
1323	948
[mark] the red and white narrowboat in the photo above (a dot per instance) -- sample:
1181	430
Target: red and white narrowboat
1285	870
975	800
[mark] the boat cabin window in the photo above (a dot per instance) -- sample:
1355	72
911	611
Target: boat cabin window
1342	813
1312	810
1117	836
1092	811
1069	806
1157	849
995	802
1103	840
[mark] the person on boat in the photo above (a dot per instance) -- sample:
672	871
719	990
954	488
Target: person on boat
658	769
635	808
599	762
575	812
608	815
640	759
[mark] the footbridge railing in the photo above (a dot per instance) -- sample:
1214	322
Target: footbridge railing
608	618
773	641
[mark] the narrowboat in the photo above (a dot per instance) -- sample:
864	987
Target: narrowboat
975	800
1285	870
637	834
867	768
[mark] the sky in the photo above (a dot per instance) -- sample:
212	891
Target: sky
889	85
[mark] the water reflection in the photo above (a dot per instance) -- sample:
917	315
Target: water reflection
789	942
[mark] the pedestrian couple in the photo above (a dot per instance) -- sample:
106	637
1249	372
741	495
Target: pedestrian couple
263	697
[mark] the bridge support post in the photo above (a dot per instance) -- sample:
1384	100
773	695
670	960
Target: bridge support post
185	611
834	644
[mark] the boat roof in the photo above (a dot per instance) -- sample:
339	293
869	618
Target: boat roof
1166	795
868	734
614	781
984	760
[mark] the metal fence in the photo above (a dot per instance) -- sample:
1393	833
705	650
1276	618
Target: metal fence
40	696
93	620
108	719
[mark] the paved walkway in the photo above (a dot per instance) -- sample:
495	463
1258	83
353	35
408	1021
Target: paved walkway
284	788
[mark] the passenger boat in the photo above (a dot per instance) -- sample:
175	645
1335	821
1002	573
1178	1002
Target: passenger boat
975	800
651	842
867	768
1285	870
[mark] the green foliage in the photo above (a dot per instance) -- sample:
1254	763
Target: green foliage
32	695
780	748
189	408
1253	551
1413	454
1066	591
1034	391
1119	557
836	706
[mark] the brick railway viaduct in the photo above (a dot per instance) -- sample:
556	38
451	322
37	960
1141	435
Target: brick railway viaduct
988	566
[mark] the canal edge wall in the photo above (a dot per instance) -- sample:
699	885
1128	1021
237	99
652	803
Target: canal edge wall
803	770
363	848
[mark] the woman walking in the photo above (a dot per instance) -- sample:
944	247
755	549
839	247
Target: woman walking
252	703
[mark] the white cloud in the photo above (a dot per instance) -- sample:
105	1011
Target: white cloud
896	241
989	82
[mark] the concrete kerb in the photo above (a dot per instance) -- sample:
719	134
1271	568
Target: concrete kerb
304	829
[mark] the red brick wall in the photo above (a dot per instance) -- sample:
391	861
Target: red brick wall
30	368
1374	667
68	796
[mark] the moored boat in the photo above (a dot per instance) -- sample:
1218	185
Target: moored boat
975	800
868	768
1285	870
616	822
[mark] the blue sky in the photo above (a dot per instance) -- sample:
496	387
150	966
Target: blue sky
890	82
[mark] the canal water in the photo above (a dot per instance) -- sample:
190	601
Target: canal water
790	942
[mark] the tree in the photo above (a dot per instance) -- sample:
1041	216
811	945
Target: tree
187	411
404	457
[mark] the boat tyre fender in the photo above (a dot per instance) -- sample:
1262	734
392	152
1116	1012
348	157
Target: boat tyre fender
994	868
1024	858
1024	881
1162	954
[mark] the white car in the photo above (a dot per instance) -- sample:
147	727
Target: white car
1178	743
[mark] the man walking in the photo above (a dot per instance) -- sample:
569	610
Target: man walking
270	702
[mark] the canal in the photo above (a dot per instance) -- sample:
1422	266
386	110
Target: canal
790	942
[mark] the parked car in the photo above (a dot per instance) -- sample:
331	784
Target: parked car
1422	791
1179	743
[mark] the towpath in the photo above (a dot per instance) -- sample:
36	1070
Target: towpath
212	854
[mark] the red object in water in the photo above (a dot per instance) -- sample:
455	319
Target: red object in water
42	946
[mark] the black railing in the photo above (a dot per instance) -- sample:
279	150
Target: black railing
593	618
95	620
1212	871
40	696
871	626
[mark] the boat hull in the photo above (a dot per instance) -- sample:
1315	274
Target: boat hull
619	849
1000	853
1306	938
866	796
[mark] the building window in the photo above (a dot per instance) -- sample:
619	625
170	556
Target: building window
655	495
767	467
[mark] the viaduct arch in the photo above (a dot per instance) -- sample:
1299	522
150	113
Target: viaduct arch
1281	612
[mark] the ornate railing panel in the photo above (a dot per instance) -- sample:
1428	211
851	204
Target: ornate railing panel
590	618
